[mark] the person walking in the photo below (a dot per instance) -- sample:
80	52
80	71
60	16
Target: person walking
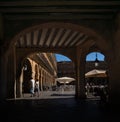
32	86
37	89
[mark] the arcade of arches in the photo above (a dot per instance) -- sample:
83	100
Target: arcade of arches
73	35
39	66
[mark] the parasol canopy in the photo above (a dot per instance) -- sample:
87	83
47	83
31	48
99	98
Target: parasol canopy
96	73
65	80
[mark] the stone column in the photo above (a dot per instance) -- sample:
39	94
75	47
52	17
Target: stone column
41	80
11	74
21	84
1	29
114	75
77	88
82	79
3	75
79	68
33	74
2	66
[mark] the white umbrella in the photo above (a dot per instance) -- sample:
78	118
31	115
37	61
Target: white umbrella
65	80
96	73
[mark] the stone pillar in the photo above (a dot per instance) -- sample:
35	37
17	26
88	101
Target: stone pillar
33	74
3	75
11	74
114	77
77	88
3	62
1	28
41	80
32	69
80	67
82	79
21	84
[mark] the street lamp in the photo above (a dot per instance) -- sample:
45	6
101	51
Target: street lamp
96	61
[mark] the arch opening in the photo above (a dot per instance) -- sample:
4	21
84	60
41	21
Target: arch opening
55	38
96	76
46	68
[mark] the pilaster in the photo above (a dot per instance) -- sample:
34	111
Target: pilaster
3	75
1	28
11	74
114	76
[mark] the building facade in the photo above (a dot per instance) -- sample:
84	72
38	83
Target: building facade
67	68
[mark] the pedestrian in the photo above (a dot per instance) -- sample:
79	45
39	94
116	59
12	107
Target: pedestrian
37	89
32	86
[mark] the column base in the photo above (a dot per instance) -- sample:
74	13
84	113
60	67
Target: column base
114	101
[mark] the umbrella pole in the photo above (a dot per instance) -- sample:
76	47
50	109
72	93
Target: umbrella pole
64	87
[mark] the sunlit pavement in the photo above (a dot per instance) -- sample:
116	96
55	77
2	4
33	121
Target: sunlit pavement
50	95
56	107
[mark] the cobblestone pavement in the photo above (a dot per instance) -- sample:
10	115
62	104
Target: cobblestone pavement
56	107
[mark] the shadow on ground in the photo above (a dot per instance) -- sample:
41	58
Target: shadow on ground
57	110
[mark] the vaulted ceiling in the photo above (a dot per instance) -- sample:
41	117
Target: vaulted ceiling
52	37
56	10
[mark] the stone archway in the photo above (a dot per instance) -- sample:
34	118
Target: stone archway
56	34
65	38
27	73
